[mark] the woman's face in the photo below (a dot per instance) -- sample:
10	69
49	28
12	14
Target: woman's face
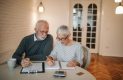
64	40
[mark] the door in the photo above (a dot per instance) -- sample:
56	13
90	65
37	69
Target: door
85	23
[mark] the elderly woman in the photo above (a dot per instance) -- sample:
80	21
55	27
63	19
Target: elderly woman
66	50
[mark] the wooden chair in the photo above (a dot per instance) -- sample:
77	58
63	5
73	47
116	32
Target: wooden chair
86	58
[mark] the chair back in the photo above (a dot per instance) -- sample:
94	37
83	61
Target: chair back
86	58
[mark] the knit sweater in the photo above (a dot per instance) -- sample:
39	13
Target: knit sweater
35	50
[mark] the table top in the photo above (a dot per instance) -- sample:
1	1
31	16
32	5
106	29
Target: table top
6	74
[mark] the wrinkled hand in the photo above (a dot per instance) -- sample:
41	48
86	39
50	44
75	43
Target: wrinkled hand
25	62
72	63
50	61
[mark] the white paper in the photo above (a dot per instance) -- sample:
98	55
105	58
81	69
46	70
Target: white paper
64	65
35	67
55	66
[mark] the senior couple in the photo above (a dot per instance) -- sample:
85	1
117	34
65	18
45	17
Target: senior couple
39	47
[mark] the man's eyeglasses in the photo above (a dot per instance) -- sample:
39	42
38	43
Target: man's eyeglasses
44	32
60	39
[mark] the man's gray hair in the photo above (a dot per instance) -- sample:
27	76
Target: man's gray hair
41	21
63	30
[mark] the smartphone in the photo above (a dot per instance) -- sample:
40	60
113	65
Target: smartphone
59	74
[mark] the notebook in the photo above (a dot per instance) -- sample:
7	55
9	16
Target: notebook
58	65
64	65
55	66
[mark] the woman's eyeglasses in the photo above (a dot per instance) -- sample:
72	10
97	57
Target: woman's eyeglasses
60	39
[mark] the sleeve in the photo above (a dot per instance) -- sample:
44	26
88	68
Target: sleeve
79	54
54	51
19	51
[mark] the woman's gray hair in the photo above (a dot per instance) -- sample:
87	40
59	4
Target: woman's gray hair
63	30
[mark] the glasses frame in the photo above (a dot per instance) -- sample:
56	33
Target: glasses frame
61	39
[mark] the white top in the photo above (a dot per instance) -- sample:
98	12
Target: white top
67	53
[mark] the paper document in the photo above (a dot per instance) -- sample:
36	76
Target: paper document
64	65
55	66
58	65
33	68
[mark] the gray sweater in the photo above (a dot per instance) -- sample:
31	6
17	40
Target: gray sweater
35	50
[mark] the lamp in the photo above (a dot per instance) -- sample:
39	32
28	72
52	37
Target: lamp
118	1
119	8
41	8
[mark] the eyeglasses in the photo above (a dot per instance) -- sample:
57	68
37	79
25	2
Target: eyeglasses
60	39
44	32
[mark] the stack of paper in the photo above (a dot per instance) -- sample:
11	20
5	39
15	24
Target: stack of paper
58	65
64	66
55	66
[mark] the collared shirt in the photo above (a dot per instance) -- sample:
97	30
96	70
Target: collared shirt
35	39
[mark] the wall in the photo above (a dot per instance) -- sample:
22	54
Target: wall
111	40
18	18
56	13
15	23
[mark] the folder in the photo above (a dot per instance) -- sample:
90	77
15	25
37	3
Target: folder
35	67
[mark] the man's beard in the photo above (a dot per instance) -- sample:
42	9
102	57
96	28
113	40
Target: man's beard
41	38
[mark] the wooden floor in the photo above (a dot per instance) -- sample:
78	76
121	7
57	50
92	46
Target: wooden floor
106	68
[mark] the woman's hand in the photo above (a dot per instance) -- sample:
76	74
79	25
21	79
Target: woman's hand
73	63
50	61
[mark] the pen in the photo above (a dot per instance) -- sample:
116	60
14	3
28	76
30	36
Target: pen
50	59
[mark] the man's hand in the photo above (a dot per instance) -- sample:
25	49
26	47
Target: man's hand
50	61
25	62
73	63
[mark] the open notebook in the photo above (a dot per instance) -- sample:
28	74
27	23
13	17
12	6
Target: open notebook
58	65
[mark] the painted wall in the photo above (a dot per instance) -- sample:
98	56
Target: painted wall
18	17
15	23
111	43
56	13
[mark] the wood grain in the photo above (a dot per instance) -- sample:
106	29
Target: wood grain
106	67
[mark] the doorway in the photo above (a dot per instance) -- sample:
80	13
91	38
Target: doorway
85	23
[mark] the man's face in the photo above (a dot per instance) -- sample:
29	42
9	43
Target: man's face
42	30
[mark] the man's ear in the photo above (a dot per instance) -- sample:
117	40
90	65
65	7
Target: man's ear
35	29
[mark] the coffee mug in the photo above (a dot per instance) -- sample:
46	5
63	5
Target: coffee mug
11	63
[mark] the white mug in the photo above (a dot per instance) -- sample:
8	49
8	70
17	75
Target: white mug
11	63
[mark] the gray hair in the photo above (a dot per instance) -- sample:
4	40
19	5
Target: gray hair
63	30
41	21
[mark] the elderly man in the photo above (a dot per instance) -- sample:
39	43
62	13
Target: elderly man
35	46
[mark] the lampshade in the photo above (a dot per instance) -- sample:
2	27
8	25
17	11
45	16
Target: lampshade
117	1
41	8
119	10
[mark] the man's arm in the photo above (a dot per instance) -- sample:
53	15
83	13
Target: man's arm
19	51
